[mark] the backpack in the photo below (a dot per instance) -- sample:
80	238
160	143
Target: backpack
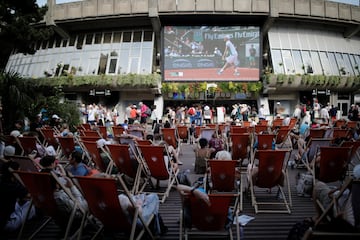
148	111
191	111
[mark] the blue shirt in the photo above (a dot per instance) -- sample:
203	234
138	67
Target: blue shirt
80	170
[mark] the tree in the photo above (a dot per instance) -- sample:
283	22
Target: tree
20	28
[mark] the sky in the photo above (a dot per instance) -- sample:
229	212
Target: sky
43	2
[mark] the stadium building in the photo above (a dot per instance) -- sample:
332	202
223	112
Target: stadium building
172	52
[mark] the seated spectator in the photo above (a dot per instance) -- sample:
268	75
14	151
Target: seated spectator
14	200
216	143
223	155
78	168
201	154
324	194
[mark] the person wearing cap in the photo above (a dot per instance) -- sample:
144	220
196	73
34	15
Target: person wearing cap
133	114
232	58
207	114
55	121
261	113
143	114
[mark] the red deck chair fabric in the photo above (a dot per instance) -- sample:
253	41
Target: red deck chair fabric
240	144
120	155
183	132
282	136
94	153
354	149
333	163
143	142
139	133
41	191
67	145
117	131
205	219
277	122
103	132
102	197
28	144
351	124
197	131
49	137
170	136
26	164
292	123
271	173
340	123
317	132
340	133
265	141
91	133
238	129
263	122
312	148
86	126
261	128
154	159
90	138
223	179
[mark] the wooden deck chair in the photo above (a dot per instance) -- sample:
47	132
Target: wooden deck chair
211	125
26	164
317	132
270	172
206	220
276	122
91	133
41	189
139	133
311	149
283	138
340	123
292	123
50	138
170	136
240	146
197	131
246	124
351	124
238	129
102	130
153	157
86	126
183	132
340	133
127	162
28	144
265	141
263	122
143	142
67	146
333	164
261	128
103	201
207	133
117	131
223	180
317	232
355	157
90	138
93	153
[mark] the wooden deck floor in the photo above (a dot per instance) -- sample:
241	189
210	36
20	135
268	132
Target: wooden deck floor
264	226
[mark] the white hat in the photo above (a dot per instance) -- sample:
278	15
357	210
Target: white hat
206	108
15	133
55	116
278	103
357	171
9	150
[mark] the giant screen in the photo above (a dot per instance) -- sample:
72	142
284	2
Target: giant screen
211	53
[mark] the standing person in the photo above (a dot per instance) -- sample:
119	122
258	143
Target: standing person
153	116
133	114
332	113
207	114
252	56
232	58
261	114
316	108
128	111
143	112
91	115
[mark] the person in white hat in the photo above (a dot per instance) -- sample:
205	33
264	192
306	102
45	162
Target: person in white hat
207	114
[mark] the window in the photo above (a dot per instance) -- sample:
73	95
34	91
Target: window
325	63
107	37
277	61
64	43
98	38
333	64
347	62
317	68
127	37
117	37
342	67
72	41
137	37
298	63
89	39
308	66
148	36
288	64
102	63
113	62
80	41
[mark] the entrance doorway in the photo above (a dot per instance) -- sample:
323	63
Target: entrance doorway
343	107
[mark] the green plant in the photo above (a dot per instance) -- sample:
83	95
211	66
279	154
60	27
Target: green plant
280	78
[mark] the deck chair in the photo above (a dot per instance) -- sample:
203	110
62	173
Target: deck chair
85	126
93	153
127	162
311	149
183	132
90	138
40	187
102	131
91	133
351	124
340	123
143	142
317	231
222	179
276	122
265	141
117	131
26	164
355	157
153	159
205	219
238	129
102	197
293	122
49	138
283	138
207	133
240	143
170	136
27	144
340	133
67	146
139	133
333	164
260	128
317	132
270	172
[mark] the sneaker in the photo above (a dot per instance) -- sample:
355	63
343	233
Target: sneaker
180	163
